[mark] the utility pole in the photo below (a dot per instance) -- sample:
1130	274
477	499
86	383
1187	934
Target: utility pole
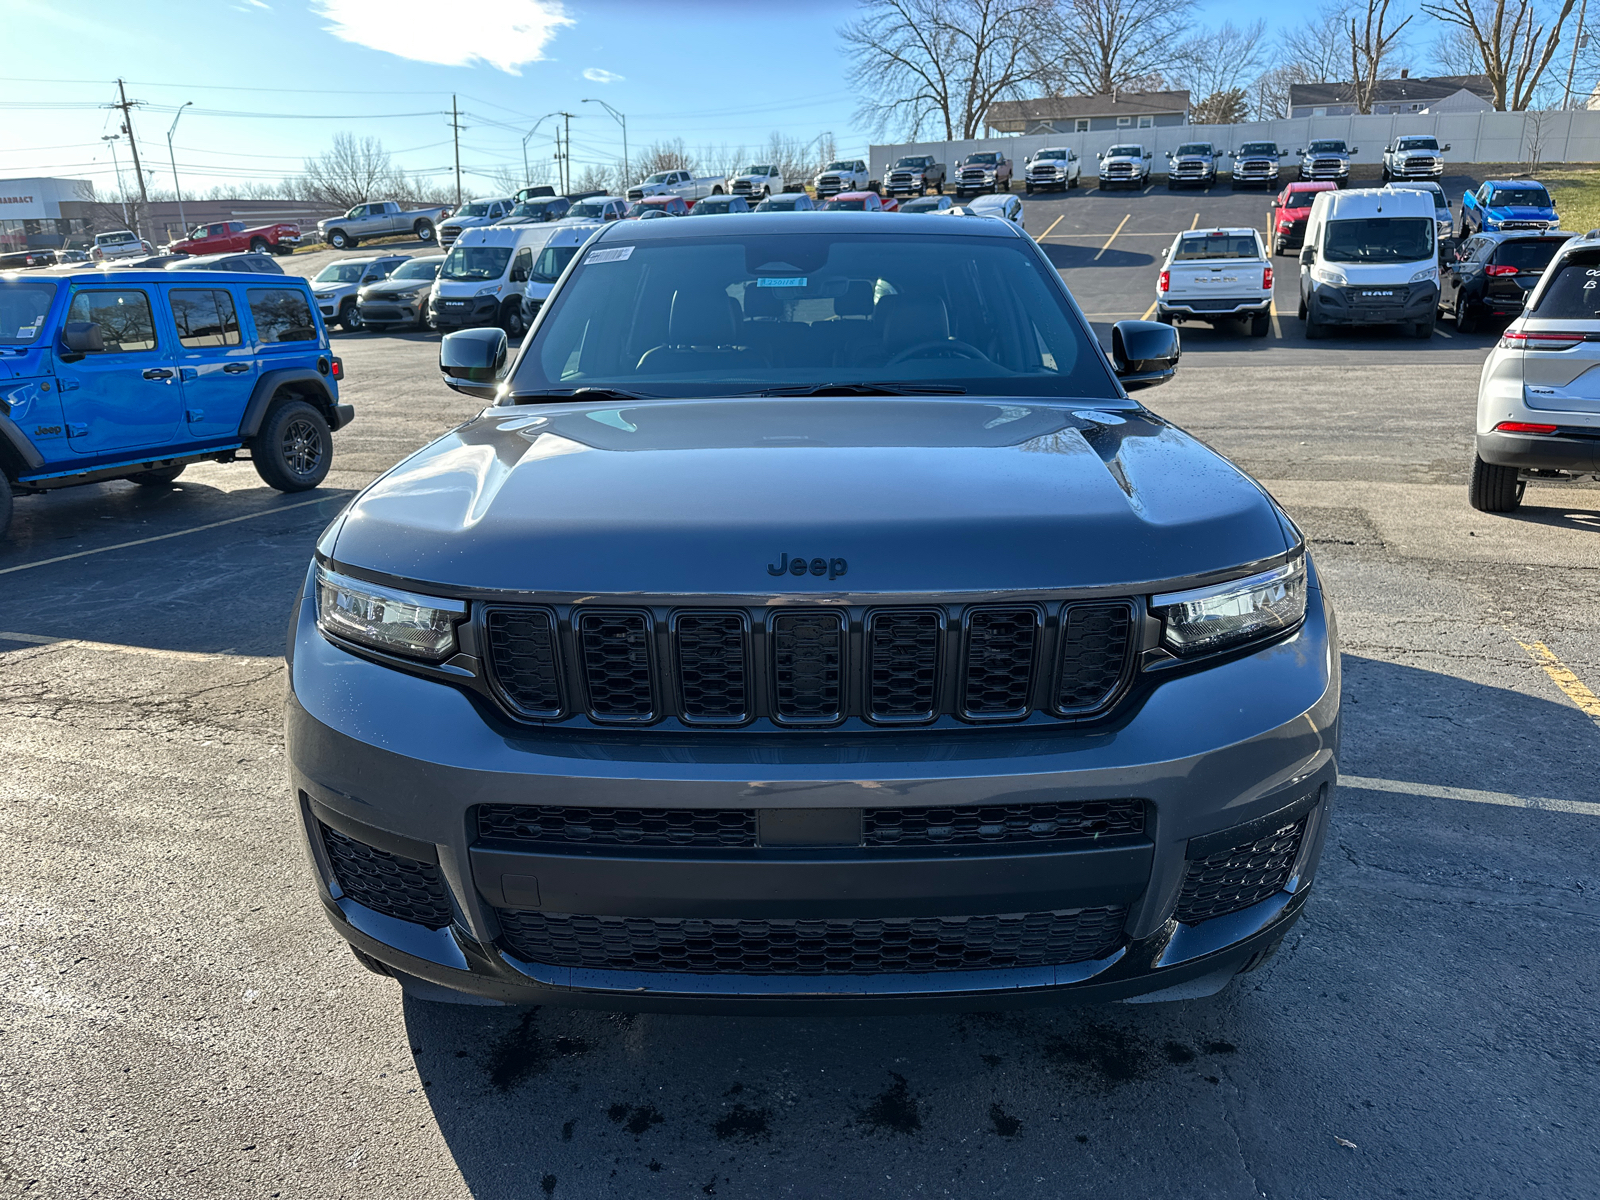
567	186
623	121
178	191
455	127
127	127
1577	40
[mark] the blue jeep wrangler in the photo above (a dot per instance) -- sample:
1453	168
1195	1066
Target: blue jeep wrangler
137	374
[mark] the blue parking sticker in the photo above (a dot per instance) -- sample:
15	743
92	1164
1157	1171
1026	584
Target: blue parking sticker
800	282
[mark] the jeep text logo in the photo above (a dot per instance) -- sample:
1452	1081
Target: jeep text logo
799	565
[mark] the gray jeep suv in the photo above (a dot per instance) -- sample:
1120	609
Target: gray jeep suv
812	620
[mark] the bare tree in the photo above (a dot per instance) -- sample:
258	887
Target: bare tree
349	173
1217	61
937	63
663	156
1269	94
1370	43
1096	47
1514	45
1316	49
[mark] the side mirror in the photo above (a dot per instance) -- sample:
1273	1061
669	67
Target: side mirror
83	337
1144	353
1354	150
1308	256
1099	155
473	361
1299	151
1447	145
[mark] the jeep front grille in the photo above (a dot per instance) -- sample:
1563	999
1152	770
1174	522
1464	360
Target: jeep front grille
816	664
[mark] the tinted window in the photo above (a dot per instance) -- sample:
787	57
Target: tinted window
552	261
983	158
1195	148
845	206
1216	245
282	315
22	311
417	268
1331	147
204	318
1057	155
1417	143
1378	240
125	320
521	265
1528	254
475	262
1259	148
1573	291
734	314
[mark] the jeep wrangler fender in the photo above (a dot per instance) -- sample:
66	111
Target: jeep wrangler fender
17	454
301	383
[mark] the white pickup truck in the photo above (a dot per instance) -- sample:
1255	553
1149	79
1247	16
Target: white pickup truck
757	182
1216	275
686	184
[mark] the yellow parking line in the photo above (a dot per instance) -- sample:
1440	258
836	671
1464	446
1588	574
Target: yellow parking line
161	537
1114	233
1149	312
1562	676
1195	224
1277	329
1053	224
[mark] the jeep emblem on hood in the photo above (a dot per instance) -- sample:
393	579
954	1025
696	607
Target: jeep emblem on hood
800	565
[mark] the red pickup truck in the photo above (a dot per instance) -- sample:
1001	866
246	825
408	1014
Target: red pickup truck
231	237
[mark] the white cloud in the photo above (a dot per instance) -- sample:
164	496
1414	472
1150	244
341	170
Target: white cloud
597	75
258	4
502	33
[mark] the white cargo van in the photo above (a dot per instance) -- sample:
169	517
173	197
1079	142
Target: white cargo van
1370	257
484	276
563	246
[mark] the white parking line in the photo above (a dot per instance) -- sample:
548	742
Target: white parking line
1113	236
1470	795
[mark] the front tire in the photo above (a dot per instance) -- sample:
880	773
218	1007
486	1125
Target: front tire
340	240
294	449
157	478
1466	319
423	230
5	503
259	246
511	318
1315	329
1423	330
1494	489
350	317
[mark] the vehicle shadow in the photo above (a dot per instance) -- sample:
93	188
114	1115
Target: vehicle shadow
1085	1102
1066	257
1560	516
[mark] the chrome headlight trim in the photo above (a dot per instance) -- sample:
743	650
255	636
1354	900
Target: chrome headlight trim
1224	615
388	619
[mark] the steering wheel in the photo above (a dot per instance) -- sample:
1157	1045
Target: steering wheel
951	347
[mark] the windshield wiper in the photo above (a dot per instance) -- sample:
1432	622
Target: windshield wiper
583	393
864	389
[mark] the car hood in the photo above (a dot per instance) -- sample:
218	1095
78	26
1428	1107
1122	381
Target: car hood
326	289
1520	212
394	287
707	496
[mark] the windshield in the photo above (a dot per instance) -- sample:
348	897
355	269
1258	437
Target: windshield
780	203
661	177
22	311
1216	245
348	272
1125	152
1532	255
1195	148
845	206
475	262
713	204
473	210
977	159
1051	155
589	208
539	209
112	239
922	204
1378	240
1259	148
1521	197
640	208
417	268
840	166
767	170
1333	147
1417	143
551	262
919	161
735	314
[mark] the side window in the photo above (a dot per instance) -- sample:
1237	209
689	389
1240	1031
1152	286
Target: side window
126	322
236	227
282	315
216	230
521	264
204	318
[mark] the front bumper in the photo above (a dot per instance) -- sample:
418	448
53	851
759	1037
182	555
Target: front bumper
398	765
1576	450
383	311
459	313
1422	170
1406	304
1342	171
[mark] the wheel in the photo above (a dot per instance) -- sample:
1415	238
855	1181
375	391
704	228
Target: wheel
5	503
939	187
1278	248
1466	318
1301	312
339	239
1261	325
378	968
1008	185
1027	189
258	245
1423	330
1494	489
350	317
1164	317
158	478
1315	329
424	230
511	318
1170	186
294	449
1386	174
371	328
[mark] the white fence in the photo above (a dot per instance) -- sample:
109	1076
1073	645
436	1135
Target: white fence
1487	137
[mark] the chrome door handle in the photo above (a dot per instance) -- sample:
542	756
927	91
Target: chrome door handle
236	368
158	373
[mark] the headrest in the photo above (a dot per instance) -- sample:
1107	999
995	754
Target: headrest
762	302
701	316
856	301
908	320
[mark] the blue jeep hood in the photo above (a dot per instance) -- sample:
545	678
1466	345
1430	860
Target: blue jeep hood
1520	212
707	496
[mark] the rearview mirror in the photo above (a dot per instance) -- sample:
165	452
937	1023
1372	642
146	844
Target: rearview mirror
1144	353
473	361
83	337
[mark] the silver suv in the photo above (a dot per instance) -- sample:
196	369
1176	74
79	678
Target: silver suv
1539	395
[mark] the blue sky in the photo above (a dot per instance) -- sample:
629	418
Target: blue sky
272	81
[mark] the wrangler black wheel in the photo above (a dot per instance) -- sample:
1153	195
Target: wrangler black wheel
294	449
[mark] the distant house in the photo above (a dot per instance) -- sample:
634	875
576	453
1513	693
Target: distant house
1089	114
1436	93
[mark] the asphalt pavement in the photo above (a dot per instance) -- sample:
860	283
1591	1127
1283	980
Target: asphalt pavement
178	1020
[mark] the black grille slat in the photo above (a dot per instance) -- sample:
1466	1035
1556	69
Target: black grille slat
523	656
1000	651
988	824
390	884
1095	644
828	946
808	666
574	825
713	675
1240	876
616	665
903	664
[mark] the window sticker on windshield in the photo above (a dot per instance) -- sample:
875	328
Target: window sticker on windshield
615	254
793	281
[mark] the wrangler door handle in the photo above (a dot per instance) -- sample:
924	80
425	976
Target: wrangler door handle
158	373
236	368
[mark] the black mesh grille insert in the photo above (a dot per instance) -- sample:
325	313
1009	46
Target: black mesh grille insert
522	650
1236	878
712	676
985	824
1094	654
903	650
808	665
387	883
616	665
1000	644
571	825
842	946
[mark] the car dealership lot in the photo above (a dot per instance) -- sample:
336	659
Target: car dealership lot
186	1024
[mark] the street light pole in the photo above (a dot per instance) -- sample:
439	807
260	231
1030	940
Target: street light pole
122	195
526	173
182	220
620	119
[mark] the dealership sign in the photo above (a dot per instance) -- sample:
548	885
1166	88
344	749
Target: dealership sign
39	199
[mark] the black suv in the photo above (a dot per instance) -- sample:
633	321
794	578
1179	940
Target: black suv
1494	272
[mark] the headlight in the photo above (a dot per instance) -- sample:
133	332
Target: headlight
1425	275
1213	618
1329	275
385	618
489	291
